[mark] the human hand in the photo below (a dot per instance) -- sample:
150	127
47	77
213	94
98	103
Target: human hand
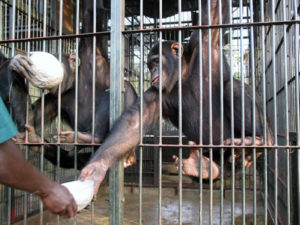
59	201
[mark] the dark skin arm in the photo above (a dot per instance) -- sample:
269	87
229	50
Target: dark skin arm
123	137
16	171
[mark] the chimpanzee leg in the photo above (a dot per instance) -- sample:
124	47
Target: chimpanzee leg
191	165
248	121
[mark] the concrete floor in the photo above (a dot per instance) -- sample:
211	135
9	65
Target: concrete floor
190	208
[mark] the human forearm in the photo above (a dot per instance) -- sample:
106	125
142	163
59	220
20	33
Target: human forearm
17	172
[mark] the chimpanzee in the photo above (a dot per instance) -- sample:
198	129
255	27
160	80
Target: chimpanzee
13	91
125	133
85	99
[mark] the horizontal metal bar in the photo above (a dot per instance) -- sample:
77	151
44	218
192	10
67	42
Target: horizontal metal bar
185	185
56	37
237	25
179	145
217	26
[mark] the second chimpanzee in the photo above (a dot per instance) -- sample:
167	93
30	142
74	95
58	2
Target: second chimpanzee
85	98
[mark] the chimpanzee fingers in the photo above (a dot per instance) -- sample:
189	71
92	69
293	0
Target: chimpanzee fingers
86	173
30	128
175	158
236	141
191	143
227	141
16	66
21	64
25	62
259	141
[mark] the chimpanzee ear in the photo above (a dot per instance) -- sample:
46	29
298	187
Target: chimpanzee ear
175	47
72	59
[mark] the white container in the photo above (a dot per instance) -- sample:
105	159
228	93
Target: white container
49	72
82	192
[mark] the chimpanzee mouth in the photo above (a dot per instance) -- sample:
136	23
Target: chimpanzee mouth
155	79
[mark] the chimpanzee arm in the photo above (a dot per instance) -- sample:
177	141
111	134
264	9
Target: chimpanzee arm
50	110
123	137
125	132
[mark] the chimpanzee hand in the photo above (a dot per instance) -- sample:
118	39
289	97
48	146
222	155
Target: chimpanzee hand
94	171
23	65
59	201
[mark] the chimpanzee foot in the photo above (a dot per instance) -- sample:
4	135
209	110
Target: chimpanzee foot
259	141
130	159
191	165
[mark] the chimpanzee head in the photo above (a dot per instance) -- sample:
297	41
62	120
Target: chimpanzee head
169	65
69	64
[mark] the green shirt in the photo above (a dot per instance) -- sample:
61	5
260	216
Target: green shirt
7	126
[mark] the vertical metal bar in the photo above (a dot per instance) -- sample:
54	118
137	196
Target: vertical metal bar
76	89
5	21
76	94
253	109
59	95
9	190
11	53
1	21
179	115
210	117
94	70
288	208
160	117
12	27
242	113
275	114
222	115
94	92
117	86
201	114
141	112
42	92
231	117
296	39
45	24
297	100
263	72
27	110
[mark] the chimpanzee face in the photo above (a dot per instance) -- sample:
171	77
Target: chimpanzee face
169	65
69	64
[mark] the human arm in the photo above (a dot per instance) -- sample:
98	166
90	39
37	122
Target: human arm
16	171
